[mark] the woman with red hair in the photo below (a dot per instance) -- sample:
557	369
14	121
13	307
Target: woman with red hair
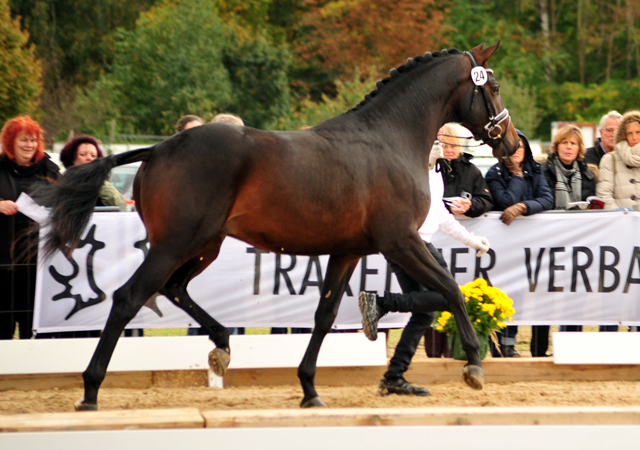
23	164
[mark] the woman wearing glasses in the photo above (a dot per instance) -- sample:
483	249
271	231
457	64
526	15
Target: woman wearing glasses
619	178
462	179
604	144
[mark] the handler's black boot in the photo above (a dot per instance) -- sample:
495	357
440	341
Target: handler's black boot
400	386
509	351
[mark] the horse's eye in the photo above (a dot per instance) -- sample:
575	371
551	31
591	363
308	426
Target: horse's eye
495	89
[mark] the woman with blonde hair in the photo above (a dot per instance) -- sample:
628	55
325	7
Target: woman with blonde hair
569	178
228	118
619	177
462	179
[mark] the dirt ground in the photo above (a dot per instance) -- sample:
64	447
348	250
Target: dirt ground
443	395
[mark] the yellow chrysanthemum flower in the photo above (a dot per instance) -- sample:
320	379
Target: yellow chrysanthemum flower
487	306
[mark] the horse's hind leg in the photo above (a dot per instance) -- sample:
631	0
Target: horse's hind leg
415	259
339	272
149	278
176	291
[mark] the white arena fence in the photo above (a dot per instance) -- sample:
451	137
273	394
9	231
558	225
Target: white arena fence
559	268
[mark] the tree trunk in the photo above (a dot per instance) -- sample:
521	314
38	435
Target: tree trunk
544	24
580	37
630	37
615	14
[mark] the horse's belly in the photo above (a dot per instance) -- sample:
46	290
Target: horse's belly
310	238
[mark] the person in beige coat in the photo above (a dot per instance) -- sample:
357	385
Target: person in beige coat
619	177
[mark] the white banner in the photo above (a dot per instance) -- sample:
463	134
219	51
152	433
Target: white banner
559	268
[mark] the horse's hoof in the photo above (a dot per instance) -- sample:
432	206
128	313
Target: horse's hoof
80	405
219	360
473	376
315	402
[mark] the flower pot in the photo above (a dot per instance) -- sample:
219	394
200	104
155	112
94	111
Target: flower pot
455	345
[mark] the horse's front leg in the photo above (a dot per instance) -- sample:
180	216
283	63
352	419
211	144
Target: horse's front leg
339	272
416	260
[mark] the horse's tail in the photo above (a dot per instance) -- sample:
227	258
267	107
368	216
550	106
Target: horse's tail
73	197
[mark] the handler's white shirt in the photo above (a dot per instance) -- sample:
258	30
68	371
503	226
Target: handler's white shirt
439	218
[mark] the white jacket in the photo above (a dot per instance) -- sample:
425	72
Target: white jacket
619	178
439	218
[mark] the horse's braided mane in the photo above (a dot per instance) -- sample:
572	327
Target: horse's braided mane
411	63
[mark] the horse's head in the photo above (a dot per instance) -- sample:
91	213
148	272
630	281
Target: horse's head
481	107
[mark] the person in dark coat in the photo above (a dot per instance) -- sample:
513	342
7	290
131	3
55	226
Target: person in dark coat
518	187
604	144
461	177
463	180
23	164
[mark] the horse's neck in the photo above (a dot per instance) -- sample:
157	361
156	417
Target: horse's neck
420	106
406	118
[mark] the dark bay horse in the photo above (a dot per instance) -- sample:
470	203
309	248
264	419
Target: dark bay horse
354	185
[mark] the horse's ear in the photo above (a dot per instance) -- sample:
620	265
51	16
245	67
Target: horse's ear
483	56
477	48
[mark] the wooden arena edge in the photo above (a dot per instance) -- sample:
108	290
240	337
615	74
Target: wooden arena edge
339	417
421	372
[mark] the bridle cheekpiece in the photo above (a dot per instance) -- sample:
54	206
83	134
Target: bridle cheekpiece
493	130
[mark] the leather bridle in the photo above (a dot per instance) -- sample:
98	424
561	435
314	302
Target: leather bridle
493	130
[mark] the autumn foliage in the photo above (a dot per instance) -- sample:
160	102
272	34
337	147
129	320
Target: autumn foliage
341	36
20	70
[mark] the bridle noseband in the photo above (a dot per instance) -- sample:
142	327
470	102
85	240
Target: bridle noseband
495	120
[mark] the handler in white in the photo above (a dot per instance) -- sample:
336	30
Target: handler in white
419	300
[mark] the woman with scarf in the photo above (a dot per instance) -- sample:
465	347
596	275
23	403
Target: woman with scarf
569	177
619	177
23	164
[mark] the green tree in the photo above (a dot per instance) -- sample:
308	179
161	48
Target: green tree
258	74
95	107
74	39
171	64
521	101
521	54
308	112
575	101
181	58
20	70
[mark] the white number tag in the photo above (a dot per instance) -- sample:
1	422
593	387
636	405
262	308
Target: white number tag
479	76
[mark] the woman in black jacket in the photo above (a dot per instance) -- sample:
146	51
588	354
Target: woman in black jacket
464	181
23	164
461	177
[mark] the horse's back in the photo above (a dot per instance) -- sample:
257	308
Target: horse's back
298	191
